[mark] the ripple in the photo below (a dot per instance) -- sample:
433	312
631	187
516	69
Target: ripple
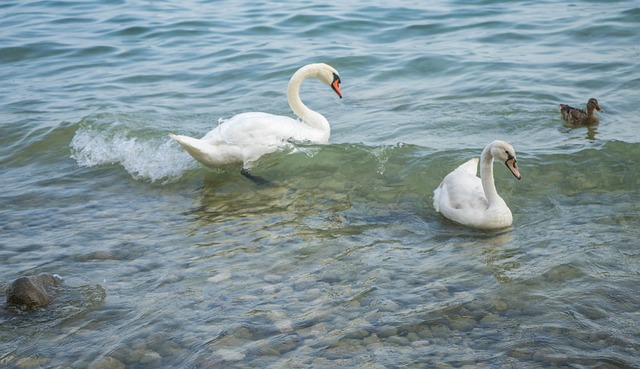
343	262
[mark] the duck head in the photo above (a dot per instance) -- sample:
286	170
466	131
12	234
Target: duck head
593	104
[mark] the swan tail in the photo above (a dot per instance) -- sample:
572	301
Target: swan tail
189	143
198	149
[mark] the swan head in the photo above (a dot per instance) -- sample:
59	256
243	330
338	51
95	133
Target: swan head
325	73
505	153
593	104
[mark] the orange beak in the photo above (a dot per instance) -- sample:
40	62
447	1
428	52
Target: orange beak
335	85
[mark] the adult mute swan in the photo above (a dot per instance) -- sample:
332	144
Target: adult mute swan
579	117
472	201
246	137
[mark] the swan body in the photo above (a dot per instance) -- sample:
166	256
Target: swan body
246	137
579	117
472	201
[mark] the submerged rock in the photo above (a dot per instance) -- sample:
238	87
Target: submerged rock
32	291
106	363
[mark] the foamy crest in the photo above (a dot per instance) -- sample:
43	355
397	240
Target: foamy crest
144	158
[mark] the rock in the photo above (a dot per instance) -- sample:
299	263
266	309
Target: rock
32	362
151	357
106	363
230	354
32	291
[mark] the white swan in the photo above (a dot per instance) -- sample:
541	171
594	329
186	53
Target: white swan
472	201
246	137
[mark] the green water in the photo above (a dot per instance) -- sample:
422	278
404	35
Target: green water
342	261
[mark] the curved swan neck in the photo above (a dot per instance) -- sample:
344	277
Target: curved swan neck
312	118
486	175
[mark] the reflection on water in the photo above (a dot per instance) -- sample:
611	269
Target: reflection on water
241	206
591	132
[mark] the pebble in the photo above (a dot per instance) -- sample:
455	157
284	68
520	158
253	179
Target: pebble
372	338
6	359
272	278
425	332
106	362
102	255
138	344
32	362
397	340
284	325
489	319
420	343
230	355
219	277
441	331
499	304
463	324
387	331
376	346
387	305
357	334
150	357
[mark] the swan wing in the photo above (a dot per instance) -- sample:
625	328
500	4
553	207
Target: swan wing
244	138
460	196
253	128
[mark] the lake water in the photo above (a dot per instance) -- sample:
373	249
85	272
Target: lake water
342	261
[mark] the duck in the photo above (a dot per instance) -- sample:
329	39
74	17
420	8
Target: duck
579	117
474	202
246	137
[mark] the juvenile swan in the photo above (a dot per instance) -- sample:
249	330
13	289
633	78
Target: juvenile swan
246	137
472	201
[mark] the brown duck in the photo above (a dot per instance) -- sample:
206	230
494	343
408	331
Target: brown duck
579	117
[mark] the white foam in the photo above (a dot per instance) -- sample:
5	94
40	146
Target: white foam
144	158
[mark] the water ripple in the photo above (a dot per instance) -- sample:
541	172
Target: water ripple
343	261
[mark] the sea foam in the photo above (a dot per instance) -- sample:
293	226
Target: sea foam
145	158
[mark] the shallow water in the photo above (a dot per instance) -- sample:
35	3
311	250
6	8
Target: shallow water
342	261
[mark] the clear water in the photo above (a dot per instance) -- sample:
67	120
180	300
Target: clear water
343	262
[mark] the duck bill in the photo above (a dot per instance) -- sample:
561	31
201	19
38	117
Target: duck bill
513	167
600	110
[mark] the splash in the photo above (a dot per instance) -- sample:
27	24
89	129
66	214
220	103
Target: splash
145	158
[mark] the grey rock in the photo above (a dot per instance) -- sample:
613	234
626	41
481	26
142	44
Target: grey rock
32	291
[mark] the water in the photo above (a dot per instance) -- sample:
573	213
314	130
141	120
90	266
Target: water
343	261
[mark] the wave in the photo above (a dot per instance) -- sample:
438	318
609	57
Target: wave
146	156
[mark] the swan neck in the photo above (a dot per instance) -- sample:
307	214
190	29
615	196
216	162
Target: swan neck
293	95
486	175
312	118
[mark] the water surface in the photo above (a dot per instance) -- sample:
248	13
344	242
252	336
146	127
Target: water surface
343	260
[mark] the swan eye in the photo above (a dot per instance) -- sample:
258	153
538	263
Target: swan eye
509	155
